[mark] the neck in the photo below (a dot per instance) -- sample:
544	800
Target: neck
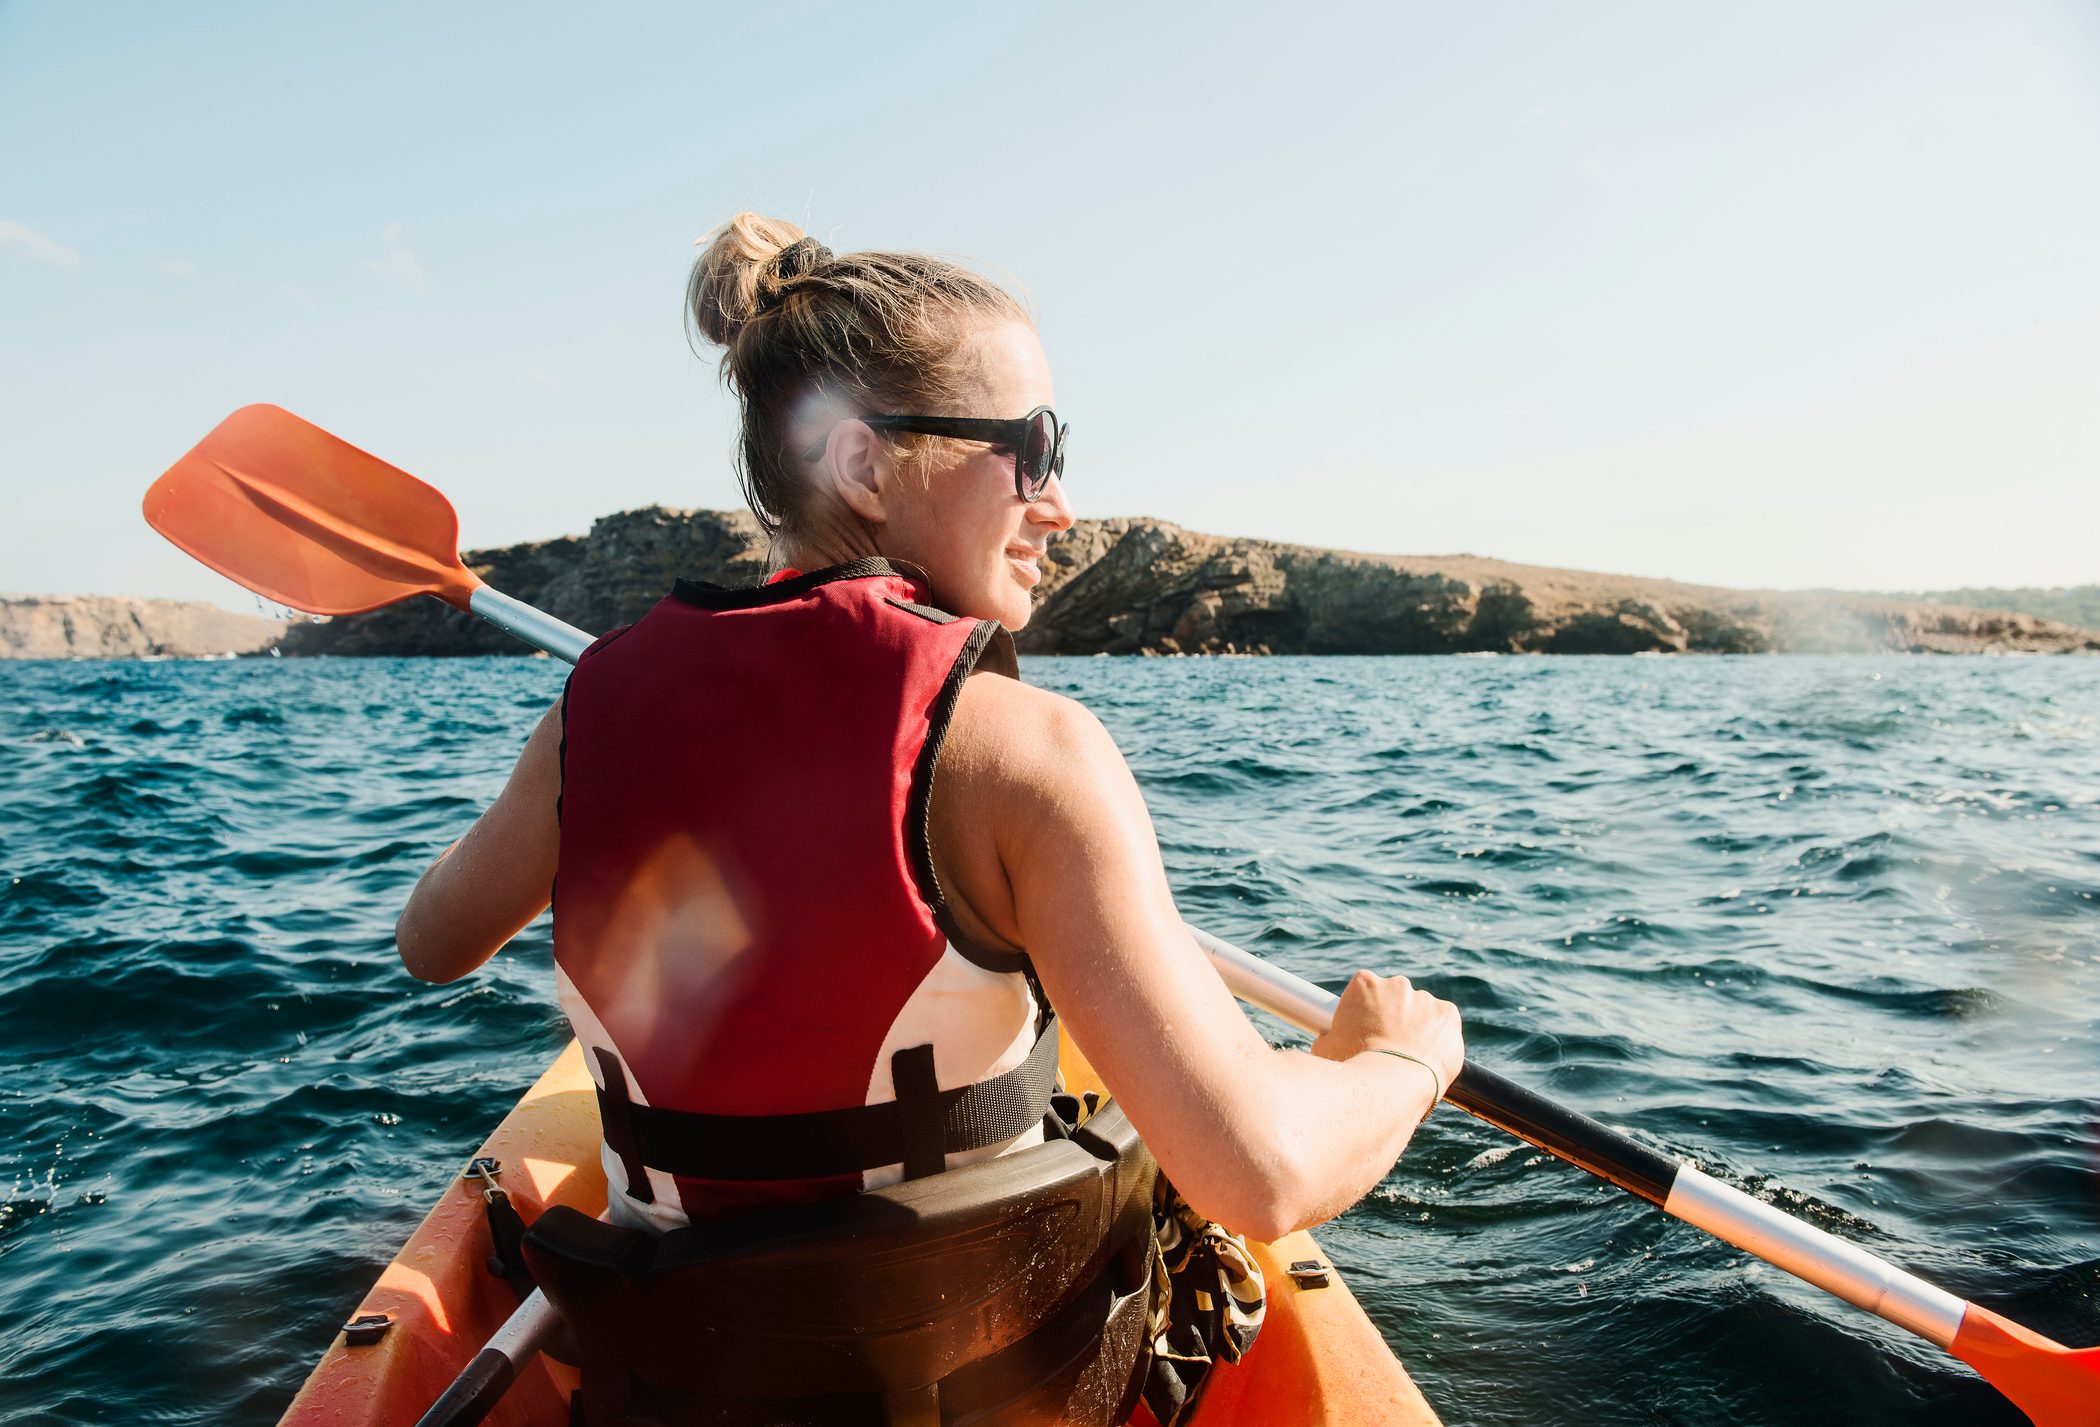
824	538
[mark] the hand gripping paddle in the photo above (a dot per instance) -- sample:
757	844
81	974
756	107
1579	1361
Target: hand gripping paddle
296	515
303	518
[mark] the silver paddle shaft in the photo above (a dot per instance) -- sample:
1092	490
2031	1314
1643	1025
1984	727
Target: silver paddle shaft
1830	1263
536	627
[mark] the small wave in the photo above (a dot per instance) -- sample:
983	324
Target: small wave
1454	887
1517	854
1953	1003
109	683
1741	842
1625	930
274	862
17	1214
1860	869
1374	798
127	793
42	892
1526	749
443	807
1488	1159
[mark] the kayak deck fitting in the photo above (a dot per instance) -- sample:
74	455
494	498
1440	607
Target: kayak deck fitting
1318	1359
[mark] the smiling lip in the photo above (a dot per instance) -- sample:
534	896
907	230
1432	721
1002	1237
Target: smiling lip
1027	558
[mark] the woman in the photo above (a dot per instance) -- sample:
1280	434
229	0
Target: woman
770	907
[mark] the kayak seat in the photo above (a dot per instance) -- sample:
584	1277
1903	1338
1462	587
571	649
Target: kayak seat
1012	1291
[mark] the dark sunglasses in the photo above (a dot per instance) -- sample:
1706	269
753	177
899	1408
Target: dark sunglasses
1036	440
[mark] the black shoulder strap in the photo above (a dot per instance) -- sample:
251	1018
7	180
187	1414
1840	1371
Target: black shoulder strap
824	1143
988	636
616	1123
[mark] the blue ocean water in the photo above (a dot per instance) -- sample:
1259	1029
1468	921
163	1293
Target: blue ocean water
1832	927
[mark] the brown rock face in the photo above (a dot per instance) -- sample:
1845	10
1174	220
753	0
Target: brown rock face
1136	586
105	627
1146	587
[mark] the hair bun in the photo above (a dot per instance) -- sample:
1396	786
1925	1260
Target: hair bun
738	263
801	257
797	260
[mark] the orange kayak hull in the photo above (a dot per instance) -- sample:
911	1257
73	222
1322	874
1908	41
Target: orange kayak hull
1319	1359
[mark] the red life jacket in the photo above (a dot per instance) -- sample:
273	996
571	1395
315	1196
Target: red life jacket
748	933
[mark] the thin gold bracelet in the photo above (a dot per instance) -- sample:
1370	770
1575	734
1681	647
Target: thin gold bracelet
1434	1079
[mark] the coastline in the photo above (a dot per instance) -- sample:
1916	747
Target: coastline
1122	585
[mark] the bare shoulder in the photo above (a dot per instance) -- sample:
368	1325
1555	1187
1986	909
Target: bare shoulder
1030	785
1010	738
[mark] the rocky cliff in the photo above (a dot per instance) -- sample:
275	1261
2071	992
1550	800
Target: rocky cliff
1137	586
1144	586
99	627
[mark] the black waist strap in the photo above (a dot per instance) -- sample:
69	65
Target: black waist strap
822	1143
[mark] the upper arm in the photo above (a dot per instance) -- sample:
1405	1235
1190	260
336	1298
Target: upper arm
1090	902
489	885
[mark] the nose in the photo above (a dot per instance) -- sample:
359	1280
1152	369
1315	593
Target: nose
1052	510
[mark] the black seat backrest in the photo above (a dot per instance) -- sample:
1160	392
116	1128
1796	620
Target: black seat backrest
887	1292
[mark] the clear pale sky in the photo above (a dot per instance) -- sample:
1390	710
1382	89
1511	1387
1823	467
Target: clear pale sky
1774	295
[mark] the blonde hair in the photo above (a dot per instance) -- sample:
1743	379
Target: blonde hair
873	332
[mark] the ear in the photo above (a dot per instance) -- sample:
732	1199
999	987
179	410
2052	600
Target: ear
859	464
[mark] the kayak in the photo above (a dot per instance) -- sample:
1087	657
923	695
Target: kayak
1318	1358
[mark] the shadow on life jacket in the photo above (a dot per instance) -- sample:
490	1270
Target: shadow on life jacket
1014	1290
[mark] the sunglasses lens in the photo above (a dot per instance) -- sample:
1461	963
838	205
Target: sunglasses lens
1033	465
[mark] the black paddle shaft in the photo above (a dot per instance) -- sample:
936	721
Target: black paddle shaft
1564	1133
474	1393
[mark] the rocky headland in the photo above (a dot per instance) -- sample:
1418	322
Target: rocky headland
106	627
1141	586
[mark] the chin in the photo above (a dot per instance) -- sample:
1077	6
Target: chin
996	595
1015	605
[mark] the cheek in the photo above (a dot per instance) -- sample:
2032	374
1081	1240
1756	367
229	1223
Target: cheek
983	513
920	513
960	520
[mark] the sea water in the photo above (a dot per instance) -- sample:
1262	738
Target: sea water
1830	927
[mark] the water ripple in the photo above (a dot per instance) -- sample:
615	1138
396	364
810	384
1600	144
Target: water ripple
1829	926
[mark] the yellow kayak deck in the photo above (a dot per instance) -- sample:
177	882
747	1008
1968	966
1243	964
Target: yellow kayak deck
1318	1360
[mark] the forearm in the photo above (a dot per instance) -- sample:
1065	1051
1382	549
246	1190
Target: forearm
452	924
489	885
1303	1140
418	933
1363	1113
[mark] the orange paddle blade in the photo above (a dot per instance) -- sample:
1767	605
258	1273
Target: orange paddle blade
296	515
2054	1385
